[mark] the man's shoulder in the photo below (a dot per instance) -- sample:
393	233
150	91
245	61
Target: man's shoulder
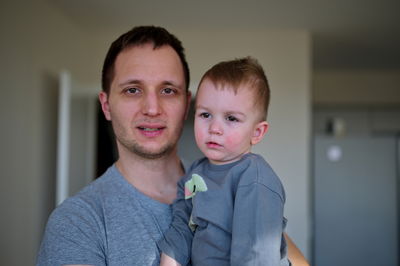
90	198
76	227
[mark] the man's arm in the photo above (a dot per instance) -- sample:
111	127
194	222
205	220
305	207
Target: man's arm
72	237
294	254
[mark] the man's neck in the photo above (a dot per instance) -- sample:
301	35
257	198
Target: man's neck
156	178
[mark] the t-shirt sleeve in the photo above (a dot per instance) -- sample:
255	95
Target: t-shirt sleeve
73	236
177	241
257	226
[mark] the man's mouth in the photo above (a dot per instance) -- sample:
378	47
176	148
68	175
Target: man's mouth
150	129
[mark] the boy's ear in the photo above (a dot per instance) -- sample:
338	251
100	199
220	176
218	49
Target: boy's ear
259	131
103	98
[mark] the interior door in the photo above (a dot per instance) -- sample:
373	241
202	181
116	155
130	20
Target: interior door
355	201
76	138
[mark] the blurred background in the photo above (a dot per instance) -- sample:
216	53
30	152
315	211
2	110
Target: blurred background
334	71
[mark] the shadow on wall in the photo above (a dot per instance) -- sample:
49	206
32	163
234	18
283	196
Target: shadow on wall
49	112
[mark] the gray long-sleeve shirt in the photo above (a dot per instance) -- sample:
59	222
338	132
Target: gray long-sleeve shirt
237	212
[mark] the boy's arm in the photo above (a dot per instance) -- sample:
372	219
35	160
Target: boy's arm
177	241
257	226
294	253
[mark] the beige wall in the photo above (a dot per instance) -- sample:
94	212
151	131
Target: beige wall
365	87
38	41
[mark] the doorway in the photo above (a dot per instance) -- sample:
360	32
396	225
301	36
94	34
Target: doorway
356	186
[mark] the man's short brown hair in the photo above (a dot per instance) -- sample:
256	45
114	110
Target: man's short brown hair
137	36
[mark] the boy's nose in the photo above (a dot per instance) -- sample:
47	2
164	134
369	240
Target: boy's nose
215	128
151	105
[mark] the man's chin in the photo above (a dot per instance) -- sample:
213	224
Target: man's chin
153	154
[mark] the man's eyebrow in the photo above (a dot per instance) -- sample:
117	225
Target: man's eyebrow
139	82
130	81
171	83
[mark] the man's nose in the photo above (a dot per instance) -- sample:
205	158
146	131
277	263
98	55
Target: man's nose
151	104
215	128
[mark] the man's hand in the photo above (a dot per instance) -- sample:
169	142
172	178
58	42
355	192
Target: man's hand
294	254
168	261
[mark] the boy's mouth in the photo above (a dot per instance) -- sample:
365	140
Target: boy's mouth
212	144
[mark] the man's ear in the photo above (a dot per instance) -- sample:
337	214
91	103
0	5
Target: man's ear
188	102
103	98
259	131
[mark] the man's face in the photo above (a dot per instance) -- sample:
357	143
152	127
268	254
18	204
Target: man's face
147	102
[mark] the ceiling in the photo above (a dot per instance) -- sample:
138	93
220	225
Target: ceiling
350	34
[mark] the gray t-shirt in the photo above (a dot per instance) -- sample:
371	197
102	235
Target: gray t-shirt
108	223
235	211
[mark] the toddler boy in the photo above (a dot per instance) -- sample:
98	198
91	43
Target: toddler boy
229	209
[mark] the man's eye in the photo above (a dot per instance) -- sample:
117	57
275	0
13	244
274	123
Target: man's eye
132	90
231	118
204	115
168	91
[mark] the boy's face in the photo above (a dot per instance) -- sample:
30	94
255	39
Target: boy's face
226	124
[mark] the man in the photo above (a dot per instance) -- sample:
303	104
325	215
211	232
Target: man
119	218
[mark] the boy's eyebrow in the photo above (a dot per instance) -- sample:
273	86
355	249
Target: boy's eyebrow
199	106
227	112
236	113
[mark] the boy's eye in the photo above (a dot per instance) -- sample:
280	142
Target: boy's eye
205	115
168	91
231	118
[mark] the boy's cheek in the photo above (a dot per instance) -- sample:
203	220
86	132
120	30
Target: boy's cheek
231	140
235	142
199	136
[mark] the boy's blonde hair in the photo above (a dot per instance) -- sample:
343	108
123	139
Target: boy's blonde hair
238	73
